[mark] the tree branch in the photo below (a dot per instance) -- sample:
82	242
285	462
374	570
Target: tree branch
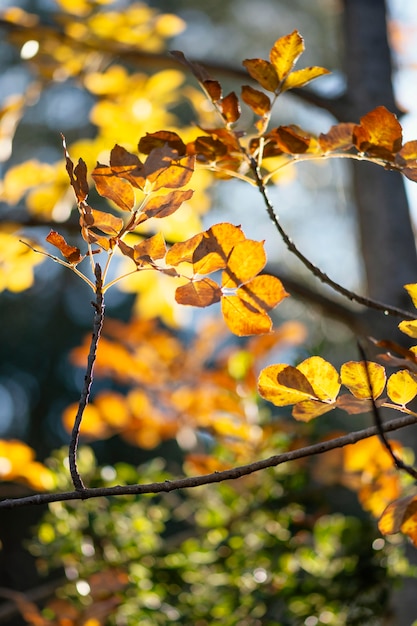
216	477
351	295
88	379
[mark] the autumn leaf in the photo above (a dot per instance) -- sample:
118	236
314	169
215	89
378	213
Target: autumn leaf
159	139
379	134
106	222
400	516
126	165
357	376
263	72
242	318
246	259
162	206
111	186
299	78
406	159
199	293
256	100
285	53
323	377
230	108
339	137
77	175
71	253
309	409
409	328
402	387
289	139
164	169
270	387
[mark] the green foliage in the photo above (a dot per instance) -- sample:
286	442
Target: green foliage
247	552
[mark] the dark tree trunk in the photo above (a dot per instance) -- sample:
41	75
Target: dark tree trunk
387	240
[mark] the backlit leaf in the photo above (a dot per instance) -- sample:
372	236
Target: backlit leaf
242	318
289	139
112	187
402	387
165	171
183	251
71	253
262	292
353	405
230	108
127	166
402	512
246	259
78	177
412	291
162	206
299	78
357	375
285	53
263	72
339	137
257	100
213	89
322	376
157	140
199	293
409	328
309	409
271	389
379	133
106	222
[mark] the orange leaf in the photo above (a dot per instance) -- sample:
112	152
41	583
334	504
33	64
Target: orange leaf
285	53
263	72
339	137
164	169
183	251
71	253
289	139
257	100
262	293
379	133
356	376
199	293
247	258
230	107
299	78
106	222
112	187
270	387
128	166
309	409
213	89
162	206
406	159
400	515
242	318
402	387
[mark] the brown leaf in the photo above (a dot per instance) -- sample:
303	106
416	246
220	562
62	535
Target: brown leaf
159	139
339	137
290	139
263	72
198	70
213	89
128	166
71	253
199	293
106	222
77	176
309	409
256	100
110	186
353	405
162	206
164	169
230	108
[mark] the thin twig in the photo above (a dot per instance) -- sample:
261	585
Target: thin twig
399	463
368	302
216	477
88	379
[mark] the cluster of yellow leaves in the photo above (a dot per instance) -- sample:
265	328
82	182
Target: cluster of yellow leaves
17	464
176	388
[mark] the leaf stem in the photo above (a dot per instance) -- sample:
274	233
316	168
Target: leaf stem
88	379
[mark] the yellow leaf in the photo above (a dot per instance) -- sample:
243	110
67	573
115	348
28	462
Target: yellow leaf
262	293
392	518
412	289
357	375
271	389
92	426
257	100
246	259
322	376
409	328
299	78
112	187
263	72
285	52
242	318
402	387
17	263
